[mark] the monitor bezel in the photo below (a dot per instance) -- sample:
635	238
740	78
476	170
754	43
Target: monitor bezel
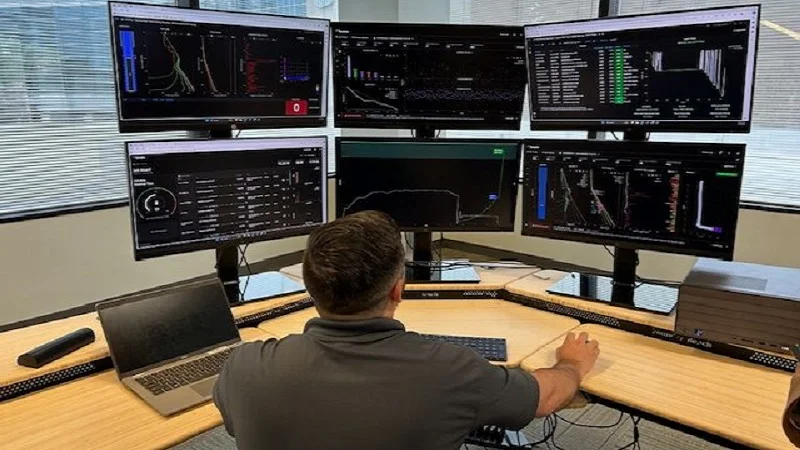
676	127
225	124
388	124
514	191
634	244
140	254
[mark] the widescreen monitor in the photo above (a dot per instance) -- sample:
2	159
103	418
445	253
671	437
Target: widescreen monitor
414	76
188	195
668	197
180	68
435	185
682	71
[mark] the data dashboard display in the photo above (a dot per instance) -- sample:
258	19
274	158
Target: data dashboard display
180	68
441	185
439	76
680	198
194	195
691	70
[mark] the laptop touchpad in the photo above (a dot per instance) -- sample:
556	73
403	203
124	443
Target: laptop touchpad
205	387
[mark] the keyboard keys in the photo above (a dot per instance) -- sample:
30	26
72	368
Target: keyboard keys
184	374
493	349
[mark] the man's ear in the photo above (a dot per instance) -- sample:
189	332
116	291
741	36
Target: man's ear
396	294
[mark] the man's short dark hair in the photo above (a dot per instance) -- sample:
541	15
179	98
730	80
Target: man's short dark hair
351	264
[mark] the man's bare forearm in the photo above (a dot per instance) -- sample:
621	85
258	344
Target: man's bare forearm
557	387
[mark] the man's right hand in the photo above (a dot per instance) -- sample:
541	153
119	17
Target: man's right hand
578	352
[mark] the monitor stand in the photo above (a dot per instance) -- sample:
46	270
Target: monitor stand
620	290
246	288
425	269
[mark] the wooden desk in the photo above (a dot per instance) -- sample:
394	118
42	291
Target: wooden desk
535	286
525	329
739	401
15	342
98	412
490	278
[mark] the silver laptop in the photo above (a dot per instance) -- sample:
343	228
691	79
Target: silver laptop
169	346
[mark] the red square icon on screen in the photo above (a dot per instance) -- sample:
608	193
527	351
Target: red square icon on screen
296	107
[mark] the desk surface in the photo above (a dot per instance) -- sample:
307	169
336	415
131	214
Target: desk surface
15	342
536	286
739	401
496	278
98	412
525	329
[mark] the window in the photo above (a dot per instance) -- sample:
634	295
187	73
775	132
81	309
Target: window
521	12
772	166
59	145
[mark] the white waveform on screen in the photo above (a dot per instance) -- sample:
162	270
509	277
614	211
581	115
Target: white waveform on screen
408	191
709	62
366	99
699	222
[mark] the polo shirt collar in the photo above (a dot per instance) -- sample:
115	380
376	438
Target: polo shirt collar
352	328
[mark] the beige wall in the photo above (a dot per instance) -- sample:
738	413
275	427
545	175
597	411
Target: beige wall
761	237
49	265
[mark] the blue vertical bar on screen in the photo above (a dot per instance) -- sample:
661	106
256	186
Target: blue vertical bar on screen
128	60
541	212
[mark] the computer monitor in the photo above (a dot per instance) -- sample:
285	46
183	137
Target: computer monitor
434	185
389	75
188	195
180	68
667	197
680	71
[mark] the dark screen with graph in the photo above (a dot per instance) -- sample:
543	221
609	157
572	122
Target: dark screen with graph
434	186
683	71
201	69
681	198
443	76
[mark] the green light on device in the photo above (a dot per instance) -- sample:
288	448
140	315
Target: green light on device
727	174
499	151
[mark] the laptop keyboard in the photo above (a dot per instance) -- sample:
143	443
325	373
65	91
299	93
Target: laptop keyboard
493	349
184	374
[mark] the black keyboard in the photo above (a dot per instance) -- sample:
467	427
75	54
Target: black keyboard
493	349
184	374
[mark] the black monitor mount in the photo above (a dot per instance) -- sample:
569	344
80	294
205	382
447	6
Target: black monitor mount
245	288
425	268
623	288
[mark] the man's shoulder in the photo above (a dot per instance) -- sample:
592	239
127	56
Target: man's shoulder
257	352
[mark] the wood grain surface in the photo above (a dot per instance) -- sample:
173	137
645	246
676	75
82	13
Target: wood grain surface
740	401
524	329
98	412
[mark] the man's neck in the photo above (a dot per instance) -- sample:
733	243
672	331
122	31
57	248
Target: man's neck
367	315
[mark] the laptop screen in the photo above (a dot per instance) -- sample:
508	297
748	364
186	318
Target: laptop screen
152	328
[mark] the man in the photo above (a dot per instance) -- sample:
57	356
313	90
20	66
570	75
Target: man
355	379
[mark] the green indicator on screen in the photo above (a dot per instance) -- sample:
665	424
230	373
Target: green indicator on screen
727	174
499	151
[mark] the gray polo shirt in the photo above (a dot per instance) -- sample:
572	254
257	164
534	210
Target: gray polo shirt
366	385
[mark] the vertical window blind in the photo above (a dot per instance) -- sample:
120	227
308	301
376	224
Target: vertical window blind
59	145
